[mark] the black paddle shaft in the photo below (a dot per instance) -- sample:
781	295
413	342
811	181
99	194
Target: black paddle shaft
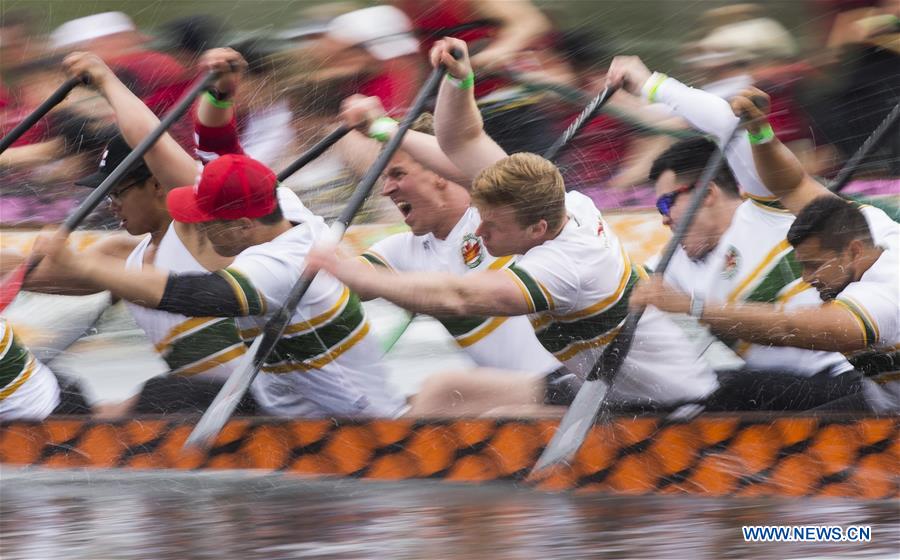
846	173
587	114
55	98
614	354
276	325
314	152
97	195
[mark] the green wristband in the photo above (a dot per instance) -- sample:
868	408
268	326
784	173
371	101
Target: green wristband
382	128
764	136
215	102
465	83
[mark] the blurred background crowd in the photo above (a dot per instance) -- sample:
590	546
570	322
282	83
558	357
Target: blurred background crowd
831	66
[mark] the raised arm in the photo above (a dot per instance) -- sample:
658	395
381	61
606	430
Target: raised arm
170	164
519	25
457	121
778	167
368	117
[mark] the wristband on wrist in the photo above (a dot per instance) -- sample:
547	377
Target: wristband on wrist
382	128
464	83
697	306
214	100
651	86
764	136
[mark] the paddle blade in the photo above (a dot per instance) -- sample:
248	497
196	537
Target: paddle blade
574	426
228	398
12	285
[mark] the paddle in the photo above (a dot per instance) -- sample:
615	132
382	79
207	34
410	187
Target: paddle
580	416
55	98
587	114
239	381
317	150
14	280
846	173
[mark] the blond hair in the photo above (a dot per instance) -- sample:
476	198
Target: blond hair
529	184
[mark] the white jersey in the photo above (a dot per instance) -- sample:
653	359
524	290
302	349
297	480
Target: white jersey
206	346
28	389
578	285
496	342
874	299
753	262
327	363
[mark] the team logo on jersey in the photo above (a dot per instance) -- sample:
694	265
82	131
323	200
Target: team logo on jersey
472	252
732	262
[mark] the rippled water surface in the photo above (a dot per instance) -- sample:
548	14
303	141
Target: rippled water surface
105	515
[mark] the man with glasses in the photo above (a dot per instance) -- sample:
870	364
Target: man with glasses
735	251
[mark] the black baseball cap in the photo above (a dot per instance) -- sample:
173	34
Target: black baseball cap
114	153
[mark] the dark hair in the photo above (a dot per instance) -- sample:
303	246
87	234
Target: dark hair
834	221
194	34
274	217
687	159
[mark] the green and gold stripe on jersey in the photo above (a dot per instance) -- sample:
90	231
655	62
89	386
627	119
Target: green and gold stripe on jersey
770	203
319	341
765	283
566	335
375	259
465	330
200	344
251	301
867	324
17	364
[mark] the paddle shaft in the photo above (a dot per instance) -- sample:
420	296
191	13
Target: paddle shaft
614	355
314	152
98	194
55	98
586	115
846	173
226	400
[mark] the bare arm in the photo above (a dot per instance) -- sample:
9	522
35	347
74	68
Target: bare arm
358	111
780	170
32	154
457	121
102	271
170	164
829	327
484	294
47	279
520	24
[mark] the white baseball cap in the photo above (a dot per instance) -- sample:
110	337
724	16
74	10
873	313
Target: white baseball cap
384	31
92	27
758	38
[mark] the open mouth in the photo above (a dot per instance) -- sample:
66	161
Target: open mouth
404	207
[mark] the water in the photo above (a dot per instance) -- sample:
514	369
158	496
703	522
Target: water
109	515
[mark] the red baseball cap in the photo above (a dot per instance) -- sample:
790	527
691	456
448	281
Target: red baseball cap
230	187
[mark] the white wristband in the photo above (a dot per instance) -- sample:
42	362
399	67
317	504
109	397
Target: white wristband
650	87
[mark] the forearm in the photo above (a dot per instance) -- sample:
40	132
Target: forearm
429	293
779	169
814	329
170	164
32	154
212	116
460	131
144	287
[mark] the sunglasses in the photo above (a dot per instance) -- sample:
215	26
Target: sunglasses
117	195
665	202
